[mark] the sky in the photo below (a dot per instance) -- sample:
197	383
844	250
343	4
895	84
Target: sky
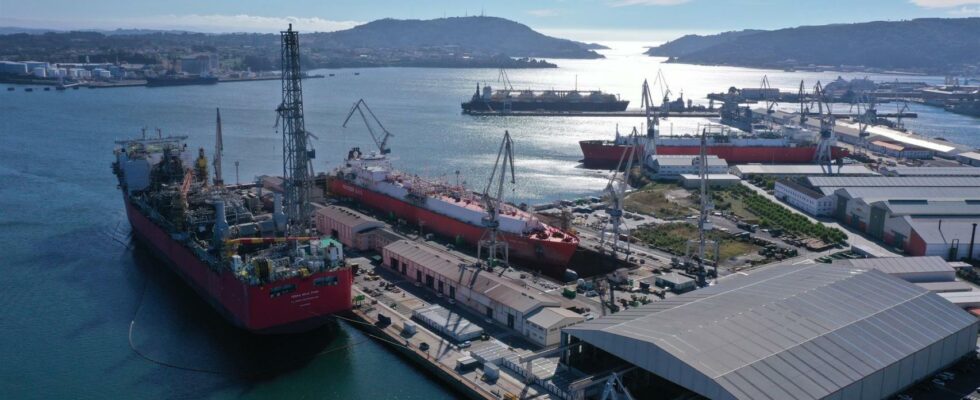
592	20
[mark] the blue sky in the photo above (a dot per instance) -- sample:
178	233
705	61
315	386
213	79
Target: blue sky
640	20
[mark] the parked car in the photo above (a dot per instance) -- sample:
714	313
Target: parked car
465	344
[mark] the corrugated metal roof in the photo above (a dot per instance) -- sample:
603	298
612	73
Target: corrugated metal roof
803	169
931	171
790	332
550	316
460	270
355	220
687	160
901	265
930	208
872	194
953	229
886	181
945	287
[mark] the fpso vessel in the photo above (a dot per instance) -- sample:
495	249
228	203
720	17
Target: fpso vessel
732	148
542	100
450	211
226	244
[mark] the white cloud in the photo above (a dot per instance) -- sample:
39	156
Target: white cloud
625	3
543	12
965	11
943	3
214	23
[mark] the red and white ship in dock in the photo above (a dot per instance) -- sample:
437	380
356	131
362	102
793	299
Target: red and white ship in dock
451	211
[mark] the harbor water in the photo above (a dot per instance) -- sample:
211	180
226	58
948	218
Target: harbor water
87	313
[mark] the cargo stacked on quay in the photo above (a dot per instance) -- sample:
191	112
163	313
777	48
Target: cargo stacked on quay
255	259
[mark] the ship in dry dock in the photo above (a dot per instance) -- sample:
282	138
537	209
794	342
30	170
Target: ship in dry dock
250	254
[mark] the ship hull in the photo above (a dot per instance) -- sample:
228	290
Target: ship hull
548	256
253	308
602	154
485	106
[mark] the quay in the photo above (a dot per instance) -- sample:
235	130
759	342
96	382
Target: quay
640	113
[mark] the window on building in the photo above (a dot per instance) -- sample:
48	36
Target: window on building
439	286
510	321
452	292
429	281
418	276
489	312
394	263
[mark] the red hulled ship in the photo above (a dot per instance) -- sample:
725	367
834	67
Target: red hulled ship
451	211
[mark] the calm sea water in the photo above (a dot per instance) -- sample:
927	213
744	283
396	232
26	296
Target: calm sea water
72	285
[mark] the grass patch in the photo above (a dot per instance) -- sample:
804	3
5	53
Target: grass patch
673	238
652	200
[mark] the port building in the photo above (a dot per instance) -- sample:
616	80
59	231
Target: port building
353	229
495	297
970	158
748	171
930	171
784	332
673	166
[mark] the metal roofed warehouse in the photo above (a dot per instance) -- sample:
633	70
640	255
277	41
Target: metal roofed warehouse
785	332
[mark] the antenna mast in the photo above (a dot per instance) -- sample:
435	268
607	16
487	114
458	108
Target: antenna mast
297	168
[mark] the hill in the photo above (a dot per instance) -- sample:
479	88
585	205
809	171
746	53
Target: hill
467	42
932	45
490	35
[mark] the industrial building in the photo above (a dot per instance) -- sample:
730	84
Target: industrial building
675	282
448	323
496	297
748	171
544	327
896	149
909	269
785	332
673	166
691	181
930	171
970	158
804	198
353	229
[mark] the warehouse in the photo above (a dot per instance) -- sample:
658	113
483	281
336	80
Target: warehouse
544	327
691	181
930	171
970	158
496	297
909	269
673	166
448	323
675	282
748	171
889	181
897	149
949	238
808	200
785	332
350	227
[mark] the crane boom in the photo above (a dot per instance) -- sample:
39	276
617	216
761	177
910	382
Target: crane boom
382	143
493	200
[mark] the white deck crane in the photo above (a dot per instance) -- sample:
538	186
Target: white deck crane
493	201
360	106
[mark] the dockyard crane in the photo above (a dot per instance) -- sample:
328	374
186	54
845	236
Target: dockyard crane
493	203
504	79
653	123
804	107
382	142
823	155
665	93
615	192
766	92
704	224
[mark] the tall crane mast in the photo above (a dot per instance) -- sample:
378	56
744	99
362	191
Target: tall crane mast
616	192
653	123
297	167
766	90
493	202
219	147
804	108
382	142
665	93
823	155
704	225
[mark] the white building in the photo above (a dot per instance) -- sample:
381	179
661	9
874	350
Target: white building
544	327
970	158
498	298
808	200
673	166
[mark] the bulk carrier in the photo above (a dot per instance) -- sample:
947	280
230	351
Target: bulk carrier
259	264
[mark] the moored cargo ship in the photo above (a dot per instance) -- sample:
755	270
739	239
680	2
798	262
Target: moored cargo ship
542	100
180	80
734	149
451	211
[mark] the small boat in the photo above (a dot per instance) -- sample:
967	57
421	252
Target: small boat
331	74
47	89
357	73
10	89
28	89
